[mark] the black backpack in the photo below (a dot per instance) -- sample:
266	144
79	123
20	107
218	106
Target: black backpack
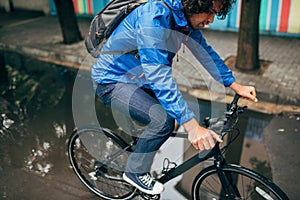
106	21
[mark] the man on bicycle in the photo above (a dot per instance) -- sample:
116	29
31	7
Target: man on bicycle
137	78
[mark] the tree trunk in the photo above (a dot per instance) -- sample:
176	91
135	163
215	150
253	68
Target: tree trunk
11	6
248	42
68	21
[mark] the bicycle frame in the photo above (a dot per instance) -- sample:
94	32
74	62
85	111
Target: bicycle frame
225	176
185	166
219	162
196	159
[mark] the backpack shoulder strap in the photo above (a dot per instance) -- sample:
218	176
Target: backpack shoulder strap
170	9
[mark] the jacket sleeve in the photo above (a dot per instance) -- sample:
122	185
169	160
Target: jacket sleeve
209	59
153	31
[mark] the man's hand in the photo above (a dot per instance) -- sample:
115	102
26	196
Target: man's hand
200	137
247	92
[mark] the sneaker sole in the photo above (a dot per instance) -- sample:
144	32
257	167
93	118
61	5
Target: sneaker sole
128	180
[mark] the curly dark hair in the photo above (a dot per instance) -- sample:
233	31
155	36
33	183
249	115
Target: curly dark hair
191	7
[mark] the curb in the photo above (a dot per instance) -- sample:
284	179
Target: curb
269	103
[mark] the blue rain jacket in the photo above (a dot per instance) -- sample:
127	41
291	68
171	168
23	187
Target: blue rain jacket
155	32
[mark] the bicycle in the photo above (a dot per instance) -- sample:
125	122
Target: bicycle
98	157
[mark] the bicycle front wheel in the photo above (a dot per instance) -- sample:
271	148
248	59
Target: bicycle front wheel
98	158
240	183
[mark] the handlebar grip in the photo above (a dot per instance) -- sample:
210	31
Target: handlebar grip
235	99
233	105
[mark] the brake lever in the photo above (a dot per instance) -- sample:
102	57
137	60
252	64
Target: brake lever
241	109
208	122
237	109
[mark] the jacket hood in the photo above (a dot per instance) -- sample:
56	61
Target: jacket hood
176	6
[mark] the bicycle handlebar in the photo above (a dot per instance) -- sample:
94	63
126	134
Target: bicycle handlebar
233	106
235	99
216	123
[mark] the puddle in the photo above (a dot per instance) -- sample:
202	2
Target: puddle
36	121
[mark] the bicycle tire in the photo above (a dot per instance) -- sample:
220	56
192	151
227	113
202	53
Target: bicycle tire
89	149
250	184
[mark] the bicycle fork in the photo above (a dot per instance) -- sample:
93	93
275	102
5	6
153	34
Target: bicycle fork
229	187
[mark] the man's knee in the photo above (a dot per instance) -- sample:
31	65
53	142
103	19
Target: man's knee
169	125
160	120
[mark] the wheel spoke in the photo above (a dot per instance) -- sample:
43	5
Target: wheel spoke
241	184
98	159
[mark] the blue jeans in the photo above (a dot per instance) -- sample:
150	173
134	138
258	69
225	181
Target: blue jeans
139	104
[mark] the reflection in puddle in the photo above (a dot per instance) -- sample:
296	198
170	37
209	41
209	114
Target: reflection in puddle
37	160
40	159
34	118
255	128
60	130
6	122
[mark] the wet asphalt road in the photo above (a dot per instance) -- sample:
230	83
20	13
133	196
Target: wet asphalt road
17	182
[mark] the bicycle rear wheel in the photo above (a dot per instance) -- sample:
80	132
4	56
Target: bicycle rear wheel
242	183
98	158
